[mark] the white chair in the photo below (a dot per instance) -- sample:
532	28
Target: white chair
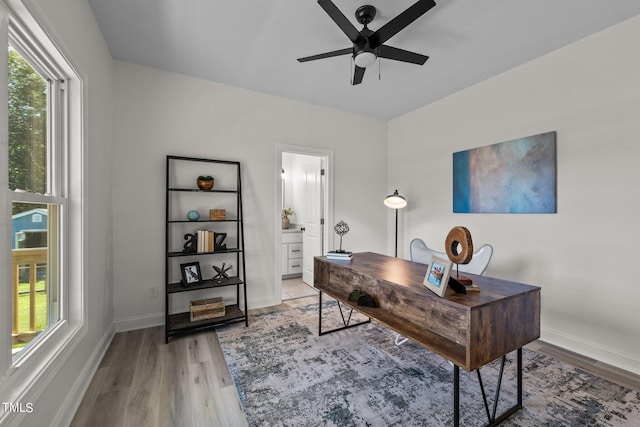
421	253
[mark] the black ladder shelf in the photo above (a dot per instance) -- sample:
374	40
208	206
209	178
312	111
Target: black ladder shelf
177	320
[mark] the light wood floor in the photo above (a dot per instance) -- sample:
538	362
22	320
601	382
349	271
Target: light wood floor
144	382
296	288
597	368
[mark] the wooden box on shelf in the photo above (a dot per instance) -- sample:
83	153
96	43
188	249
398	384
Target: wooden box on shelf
207	309
217	214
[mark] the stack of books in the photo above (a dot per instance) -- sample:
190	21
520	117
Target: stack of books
340	256
205	241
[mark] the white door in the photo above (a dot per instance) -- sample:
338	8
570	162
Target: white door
311	169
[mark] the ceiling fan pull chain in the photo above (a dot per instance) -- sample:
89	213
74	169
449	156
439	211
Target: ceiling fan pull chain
379	66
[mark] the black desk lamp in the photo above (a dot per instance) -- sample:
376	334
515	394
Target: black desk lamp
395	201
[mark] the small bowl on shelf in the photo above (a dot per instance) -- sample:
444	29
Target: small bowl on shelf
205	183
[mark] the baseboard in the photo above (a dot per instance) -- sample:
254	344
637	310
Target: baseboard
157	319
610	356
139	322
72	402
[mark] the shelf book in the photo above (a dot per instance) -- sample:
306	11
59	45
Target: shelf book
340	256
205	241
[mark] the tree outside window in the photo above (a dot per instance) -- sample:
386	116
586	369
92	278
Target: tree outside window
27	126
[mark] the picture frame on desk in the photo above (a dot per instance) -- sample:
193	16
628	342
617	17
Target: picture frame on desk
437	278
191	274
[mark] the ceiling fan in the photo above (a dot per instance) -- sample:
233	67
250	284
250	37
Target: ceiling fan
369	45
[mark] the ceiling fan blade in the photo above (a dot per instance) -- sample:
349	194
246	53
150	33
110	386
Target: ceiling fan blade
394	26
327	55
338	17
358	74
396	54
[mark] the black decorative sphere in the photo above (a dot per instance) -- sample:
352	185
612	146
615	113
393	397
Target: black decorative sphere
341	228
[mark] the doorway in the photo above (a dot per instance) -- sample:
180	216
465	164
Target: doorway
305	197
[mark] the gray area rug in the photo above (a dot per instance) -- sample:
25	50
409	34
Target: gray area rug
286	375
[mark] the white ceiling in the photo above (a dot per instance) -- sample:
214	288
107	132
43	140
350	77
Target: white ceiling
254	44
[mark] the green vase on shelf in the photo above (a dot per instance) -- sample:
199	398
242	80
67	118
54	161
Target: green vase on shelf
193	215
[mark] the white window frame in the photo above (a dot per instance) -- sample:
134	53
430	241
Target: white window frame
24	378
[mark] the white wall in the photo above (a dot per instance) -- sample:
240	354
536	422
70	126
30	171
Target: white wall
584	256
159	113
73	28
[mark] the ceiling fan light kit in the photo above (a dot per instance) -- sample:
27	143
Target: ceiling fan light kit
365	58
369	45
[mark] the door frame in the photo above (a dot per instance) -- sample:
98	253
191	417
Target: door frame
328	160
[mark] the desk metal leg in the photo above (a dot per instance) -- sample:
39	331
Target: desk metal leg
520	377
491	416
456	395
346	321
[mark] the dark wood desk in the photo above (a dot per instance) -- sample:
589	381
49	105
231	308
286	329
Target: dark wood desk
470	330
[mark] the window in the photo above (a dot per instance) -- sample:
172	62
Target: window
35	287
42	295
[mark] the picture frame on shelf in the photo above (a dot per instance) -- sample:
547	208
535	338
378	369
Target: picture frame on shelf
191	274
437	278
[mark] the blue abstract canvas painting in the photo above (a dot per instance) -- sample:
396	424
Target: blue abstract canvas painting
517	176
